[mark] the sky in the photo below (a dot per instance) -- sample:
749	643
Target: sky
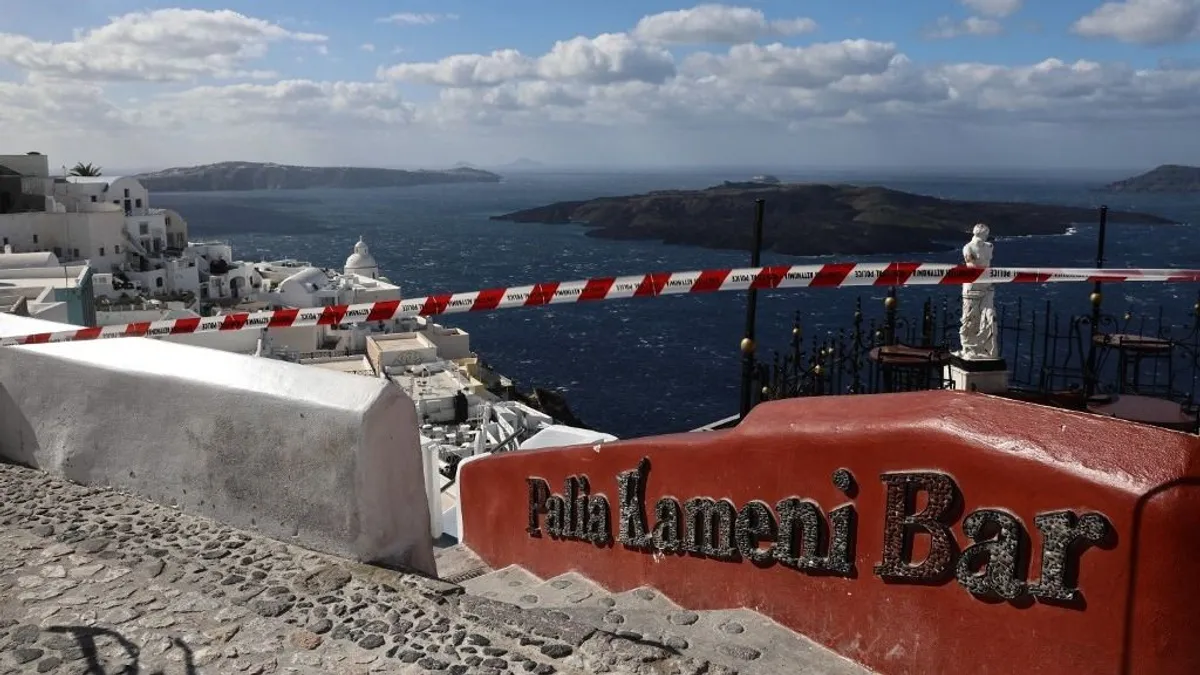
405	83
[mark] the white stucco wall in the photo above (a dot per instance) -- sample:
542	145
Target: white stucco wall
183	275
298	339
17	261
236	341
154	238
369	292
452	343
81	195
177	229
27	165
50	310
318	458
118	187
97	236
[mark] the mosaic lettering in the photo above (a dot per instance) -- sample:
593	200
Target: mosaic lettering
923	526
575	514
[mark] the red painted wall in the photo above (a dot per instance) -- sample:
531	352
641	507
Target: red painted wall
1140	588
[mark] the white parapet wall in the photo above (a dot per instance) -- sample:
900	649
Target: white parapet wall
317	458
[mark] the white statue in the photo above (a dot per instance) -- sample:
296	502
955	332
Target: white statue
978	330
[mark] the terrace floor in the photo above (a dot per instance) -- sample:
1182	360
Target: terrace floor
96	581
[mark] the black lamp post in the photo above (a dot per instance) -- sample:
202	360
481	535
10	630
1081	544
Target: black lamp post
1095	298
748	345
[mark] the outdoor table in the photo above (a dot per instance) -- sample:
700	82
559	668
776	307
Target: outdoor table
908	368
1131	349
904	355
1159	412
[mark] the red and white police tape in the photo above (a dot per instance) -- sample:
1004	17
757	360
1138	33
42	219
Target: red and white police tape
616	288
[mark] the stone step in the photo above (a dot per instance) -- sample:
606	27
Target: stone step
715	641
509	584
455	563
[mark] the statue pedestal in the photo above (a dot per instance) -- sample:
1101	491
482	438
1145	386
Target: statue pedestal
985	377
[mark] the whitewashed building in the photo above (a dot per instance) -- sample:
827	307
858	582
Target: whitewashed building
292	283
52	291
103	221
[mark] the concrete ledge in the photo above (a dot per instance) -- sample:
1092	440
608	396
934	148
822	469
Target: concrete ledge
319	459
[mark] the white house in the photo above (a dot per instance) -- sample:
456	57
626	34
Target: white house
291	283
123	191
95	236
99	220
177	229
414	362
151	231
169	276
33	164
220	277
52	291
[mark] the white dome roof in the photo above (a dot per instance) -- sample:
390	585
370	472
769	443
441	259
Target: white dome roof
308	278
361	259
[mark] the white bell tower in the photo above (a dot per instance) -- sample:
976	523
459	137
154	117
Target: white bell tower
361	262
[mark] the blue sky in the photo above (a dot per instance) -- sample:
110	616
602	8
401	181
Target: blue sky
1131	76
1038	30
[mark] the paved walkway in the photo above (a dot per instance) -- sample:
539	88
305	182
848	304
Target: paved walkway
95	581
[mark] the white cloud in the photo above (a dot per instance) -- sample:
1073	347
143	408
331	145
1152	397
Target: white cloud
716	24
167	44
303	103
158	97
367	47
465	70
996	8
1143	22
411	19
946	28
322	50
811	66
58	105
859	81
611	57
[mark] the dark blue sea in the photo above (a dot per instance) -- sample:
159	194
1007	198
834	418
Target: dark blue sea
645	366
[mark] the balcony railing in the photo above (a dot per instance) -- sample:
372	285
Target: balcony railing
1054	357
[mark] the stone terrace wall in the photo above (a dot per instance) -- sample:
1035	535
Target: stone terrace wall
319	459
926	533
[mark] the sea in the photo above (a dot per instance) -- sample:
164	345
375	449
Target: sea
659	365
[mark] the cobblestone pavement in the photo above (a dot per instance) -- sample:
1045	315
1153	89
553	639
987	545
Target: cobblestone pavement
96	581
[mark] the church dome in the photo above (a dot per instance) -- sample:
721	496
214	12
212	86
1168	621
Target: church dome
361	261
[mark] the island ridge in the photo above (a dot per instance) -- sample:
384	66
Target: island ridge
810	219
268	176
1168	178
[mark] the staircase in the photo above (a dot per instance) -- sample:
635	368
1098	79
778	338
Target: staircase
135	245
712	642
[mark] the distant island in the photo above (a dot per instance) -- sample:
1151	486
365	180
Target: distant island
266	176
810	219
1166	178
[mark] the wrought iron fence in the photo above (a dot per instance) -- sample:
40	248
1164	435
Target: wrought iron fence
1054	357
